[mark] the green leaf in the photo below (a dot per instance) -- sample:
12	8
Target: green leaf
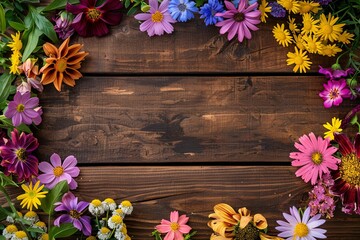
31	43
65	230
2	237
44	25
2	20
6	181
35	230
5	85
56	4
17	26
4	213
53	196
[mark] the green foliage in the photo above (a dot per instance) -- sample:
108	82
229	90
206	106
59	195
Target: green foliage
65	230
54	195
44	25
31	43
4	213
6	80
17	26
58	4
6	181
2	19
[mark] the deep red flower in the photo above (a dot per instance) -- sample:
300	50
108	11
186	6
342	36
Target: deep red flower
92	20
347	177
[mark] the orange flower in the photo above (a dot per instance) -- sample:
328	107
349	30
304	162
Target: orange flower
62	64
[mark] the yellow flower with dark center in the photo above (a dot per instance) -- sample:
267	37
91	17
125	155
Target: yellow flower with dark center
31	196
328	29
62	64
282	35
290	5
309	24
264	9
300	59
309	6
312	44
345	37
329	50
334	127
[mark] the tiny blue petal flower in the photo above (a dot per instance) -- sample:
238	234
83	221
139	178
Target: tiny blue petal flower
236	3
182	10
209	10
252	2
277	10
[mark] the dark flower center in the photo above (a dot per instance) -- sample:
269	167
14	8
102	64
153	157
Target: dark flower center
93	14
20	107
21	154
250	232
75	214
239	17
350	169
182	7
334	93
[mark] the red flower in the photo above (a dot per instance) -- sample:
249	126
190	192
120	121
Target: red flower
347	177
92	20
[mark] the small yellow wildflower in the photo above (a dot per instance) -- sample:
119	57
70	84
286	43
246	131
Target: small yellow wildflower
290	5
264	9
312	44
31	196
345	37
334	127
15	62
329	50
292	25
282	35
309	6
300	59
16	43
309	24
328	29
299	42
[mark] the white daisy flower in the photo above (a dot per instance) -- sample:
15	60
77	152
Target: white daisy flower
9	231
96	208
115	222
19	235
31	216
109	204
104	233
126	207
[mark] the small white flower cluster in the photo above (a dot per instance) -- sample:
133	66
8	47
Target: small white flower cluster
111	225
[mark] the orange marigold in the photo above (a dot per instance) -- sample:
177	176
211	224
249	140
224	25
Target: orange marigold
62	64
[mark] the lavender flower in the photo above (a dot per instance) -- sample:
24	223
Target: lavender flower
22	109
17	156
334	92
323	2
69	203
335	72
63	25
277	10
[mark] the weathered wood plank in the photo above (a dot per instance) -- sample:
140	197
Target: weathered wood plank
182	119
155	191
192	48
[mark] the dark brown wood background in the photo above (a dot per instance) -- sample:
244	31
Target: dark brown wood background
186	121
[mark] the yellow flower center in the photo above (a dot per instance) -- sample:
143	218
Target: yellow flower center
104	230
58	171
20	234
126	203
93	14
32	194
157	17
109	201
96	202
21	154
74	214
350	169
116	219
281	36
40	224
298	60
316	157
288	5
45	236
11	228
31	214
306	8
174	226
327	28
61	65
301	230
334	93
20	107
307	25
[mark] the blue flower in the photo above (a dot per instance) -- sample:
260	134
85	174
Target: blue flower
323	2
182	10
277	10
252	2
236	2
209	10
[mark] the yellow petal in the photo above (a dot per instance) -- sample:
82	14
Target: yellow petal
260	221
264	236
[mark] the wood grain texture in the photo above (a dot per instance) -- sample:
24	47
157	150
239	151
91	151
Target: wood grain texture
194	190
182	119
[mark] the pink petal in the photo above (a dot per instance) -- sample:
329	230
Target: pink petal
142	16
184	229
55	160
174	216
70	161
164	5
45	167
153	4
183	220
170	236
162	228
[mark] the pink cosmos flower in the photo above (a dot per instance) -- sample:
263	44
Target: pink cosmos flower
334	92
314	159
239	21
175	228
157	19
57	172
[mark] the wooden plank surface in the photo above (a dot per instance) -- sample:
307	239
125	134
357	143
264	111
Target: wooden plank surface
182	119
194	190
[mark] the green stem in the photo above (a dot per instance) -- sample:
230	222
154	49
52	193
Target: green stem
97	222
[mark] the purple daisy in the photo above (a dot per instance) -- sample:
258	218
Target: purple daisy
17	157
69	203
57	172
239	21
334	92
63	26
157	20
23	109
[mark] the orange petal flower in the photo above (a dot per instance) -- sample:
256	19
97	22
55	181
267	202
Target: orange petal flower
62	64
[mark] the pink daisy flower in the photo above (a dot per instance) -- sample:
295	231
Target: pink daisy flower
314	159
334	92
57	172
239	21
157	19
175	228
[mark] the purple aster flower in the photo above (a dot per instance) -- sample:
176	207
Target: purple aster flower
57	172
74	213
239	21
209	10
22	109
323	2
334	92
157	20
335	72
277	10
63	26
17	156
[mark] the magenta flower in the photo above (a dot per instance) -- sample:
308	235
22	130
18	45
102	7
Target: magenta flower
239	21
334	92
63	26
22	109
314	159
74	213
157	20
17	156
175	228
92	20
57	172
335	72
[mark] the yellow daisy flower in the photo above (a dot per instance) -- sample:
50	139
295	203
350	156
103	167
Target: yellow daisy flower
309	24
290	5
328	29
309	6
282	35
345	37
292	25
329	50
334	127
16	43
264	9
31	196
300	59
299	41
312	44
